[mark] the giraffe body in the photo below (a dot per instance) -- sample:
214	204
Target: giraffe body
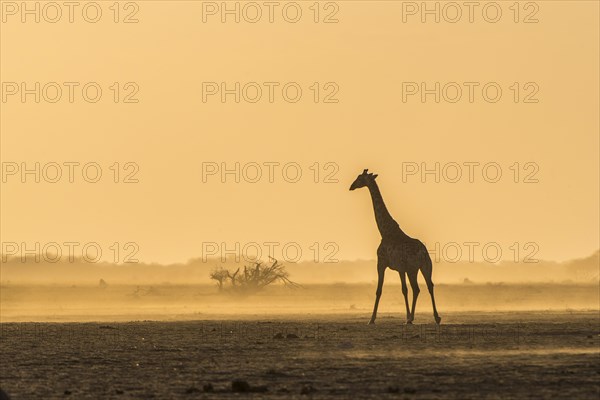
397	251
405	255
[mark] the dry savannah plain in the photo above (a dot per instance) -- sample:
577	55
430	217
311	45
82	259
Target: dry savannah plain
177	340
142	139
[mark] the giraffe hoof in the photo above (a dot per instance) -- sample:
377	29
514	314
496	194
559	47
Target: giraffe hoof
371	322
438	319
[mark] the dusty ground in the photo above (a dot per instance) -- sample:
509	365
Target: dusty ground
472	356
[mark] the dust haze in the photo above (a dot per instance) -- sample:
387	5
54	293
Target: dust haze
80	291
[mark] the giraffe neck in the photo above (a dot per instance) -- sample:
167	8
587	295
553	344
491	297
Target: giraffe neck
385	223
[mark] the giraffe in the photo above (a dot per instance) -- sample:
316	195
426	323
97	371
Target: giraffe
398	251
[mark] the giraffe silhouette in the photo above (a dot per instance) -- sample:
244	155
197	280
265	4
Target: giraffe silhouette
398	251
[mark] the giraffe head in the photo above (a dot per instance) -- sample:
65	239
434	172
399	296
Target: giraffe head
364	179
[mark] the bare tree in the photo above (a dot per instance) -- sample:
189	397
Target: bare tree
253	278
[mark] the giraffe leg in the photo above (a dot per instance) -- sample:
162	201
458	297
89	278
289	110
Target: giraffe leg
412	278
427	275
436	316
405	293
381	273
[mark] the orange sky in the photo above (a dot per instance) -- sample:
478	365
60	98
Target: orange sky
367	55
